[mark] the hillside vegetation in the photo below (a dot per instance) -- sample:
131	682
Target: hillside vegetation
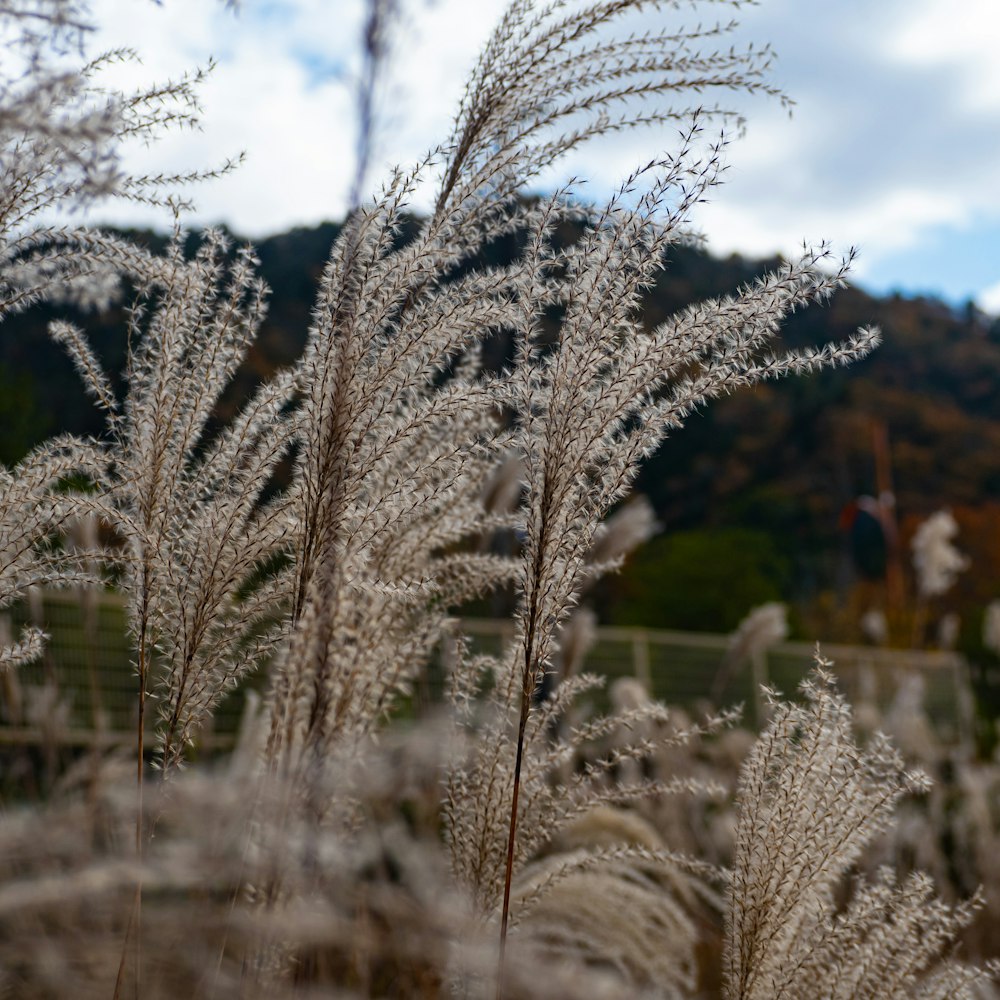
761	476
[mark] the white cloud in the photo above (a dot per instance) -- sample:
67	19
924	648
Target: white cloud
261	99
878	225
282	92
896	133
963	38
989	299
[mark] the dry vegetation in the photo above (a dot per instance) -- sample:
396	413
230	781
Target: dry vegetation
507	845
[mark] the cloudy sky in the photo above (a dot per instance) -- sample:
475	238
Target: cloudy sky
893	146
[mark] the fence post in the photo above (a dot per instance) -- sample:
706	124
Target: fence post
966	704
640	658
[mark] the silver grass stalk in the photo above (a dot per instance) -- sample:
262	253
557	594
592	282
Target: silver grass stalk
63	133
33	510
187	508
810	801
591	407
935	558
388	446
591	410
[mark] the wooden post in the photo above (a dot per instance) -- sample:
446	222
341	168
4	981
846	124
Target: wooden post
640	659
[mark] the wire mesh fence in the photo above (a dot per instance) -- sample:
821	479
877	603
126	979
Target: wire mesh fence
693	669
84	688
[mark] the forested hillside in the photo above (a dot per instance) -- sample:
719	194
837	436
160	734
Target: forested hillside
751	495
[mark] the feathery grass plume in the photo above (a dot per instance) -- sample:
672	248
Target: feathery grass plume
35	507
937	563
616	918
568	775
875	626
935	557
184	501
63	132
590	406
759	630
590	410
624	531
391	470
953	832
389	479
187	503
607	895
951	835
762	628
554	67
372	913
810	800
889	942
